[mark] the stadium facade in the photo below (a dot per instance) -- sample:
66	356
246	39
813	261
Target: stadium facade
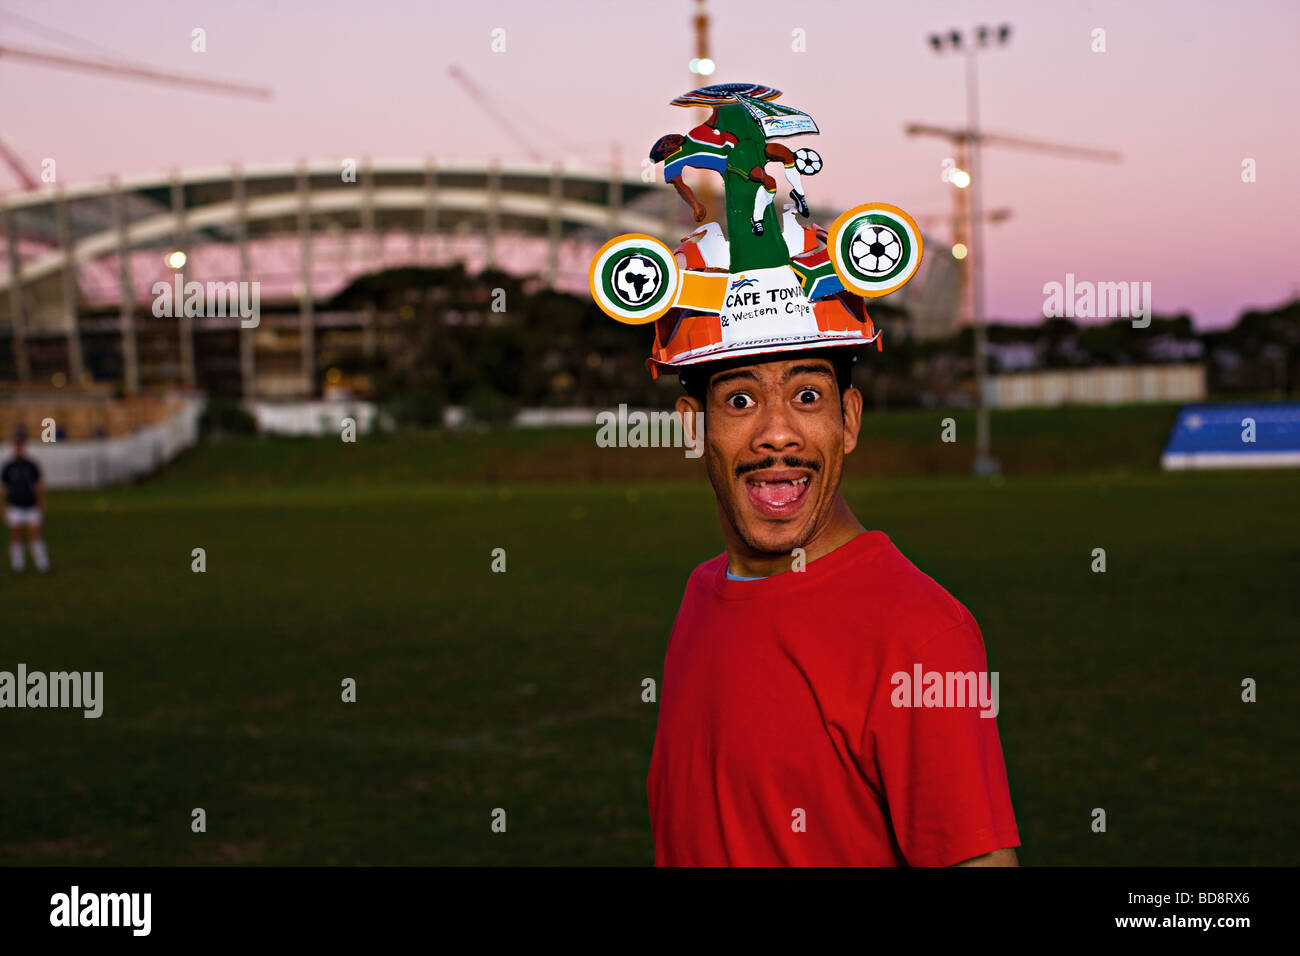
79	302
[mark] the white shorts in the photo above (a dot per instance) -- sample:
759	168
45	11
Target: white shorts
16	517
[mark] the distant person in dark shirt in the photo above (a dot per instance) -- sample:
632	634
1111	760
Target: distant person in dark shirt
24	503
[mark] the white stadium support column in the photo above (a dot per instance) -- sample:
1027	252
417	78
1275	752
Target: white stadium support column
431	203
69	277
17	306
369	251
371	245
126	305
185	323
371	248
247	337
306	305
553	225
493	211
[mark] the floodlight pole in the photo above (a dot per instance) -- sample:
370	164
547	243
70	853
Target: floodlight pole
985	464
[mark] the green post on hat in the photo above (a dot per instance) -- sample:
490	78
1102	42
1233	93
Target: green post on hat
748	251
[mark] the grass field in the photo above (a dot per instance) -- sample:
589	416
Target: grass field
522	690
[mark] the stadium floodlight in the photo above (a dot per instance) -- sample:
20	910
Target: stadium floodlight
707	67
984	463
959	178
176	259
959	250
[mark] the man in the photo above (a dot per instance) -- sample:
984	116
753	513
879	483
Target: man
782	736
706	147
24	503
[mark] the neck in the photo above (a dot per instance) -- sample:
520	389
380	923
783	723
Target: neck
840	527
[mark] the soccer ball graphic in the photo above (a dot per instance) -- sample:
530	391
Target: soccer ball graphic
808	162
875	249
637	279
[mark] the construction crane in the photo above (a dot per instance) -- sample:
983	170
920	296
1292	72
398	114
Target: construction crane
131	70
929	219
965	136
962	141
490	107
116	68
16	166
967	144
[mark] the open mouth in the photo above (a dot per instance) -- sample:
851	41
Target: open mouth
778	494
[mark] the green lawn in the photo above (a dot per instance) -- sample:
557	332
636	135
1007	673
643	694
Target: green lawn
522	690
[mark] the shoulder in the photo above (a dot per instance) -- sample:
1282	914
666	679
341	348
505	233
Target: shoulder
704	133
701	585
700	590
706	572
912	604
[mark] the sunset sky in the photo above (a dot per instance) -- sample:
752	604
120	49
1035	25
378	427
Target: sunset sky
1185	90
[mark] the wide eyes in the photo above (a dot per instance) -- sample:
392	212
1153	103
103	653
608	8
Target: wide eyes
805	396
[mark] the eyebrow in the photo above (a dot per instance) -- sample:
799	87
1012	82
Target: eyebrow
723	377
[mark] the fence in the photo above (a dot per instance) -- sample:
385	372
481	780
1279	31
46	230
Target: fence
108	461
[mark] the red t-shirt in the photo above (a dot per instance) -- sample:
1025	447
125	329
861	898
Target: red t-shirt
780	737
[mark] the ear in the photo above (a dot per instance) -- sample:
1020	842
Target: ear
688	407
852	418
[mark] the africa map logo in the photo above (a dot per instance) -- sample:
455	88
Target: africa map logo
637	279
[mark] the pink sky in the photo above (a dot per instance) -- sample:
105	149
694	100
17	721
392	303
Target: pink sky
1187	89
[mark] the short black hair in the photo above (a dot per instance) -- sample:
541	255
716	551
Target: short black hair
664	146
695	378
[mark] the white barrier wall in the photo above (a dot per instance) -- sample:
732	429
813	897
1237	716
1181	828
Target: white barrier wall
311	418
109	461
1097	386
326	417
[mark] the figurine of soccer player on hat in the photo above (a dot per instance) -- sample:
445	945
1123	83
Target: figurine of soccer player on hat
706	147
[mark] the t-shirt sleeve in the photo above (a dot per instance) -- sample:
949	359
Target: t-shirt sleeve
941	767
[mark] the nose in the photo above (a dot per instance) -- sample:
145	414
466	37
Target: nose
776	432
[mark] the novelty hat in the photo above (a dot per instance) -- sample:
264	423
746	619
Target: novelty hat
772	284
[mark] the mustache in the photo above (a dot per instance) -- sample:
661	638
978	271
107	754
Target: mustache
769	462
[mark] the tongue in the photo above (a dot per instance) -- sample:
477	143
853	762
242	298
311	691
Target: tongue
777	493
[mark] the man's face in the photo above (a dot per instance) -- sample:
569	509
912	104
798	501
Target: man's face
775	440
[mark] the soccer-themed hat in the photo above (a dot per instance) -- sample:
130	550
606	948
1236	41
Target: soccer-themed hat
782	286
702	312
